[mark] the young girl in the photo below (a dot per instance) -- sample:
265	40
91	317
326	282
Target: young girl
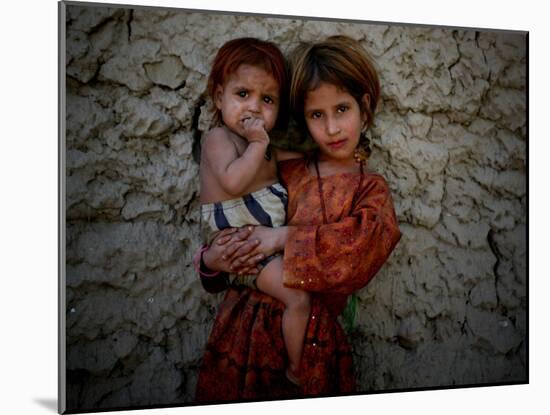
238	171
341	229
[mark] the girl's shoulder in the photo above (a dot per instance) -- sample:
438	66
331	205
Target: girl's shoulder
374	176
291	169
292	164
282	154
374	184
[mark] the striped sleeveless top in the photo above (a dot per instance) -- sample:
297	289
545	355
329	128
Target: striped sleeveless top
266	207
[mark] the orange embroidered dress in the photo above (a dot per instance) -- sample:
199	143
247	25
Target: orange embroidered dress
245	357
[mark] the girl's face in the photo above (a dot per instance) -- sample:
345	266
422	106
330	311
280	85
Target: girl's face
334	120
248	92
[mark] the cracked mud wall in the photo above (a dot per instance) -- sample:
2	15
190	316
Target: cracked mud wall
450	136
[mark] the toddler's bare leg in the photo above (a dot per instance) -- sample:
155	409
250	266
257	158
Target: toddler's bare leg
297	309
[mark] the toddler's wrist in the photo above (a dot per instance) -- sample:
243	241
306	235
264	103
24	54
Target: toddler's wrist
260	144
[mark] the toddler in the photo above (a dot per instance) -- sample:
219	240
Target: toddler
248	85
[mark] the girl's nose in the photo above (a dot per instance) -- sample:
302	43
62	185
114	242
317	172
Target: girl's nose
332	127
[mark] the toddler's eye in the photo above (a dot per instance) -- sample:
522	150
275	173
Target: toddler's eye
268	100
242	94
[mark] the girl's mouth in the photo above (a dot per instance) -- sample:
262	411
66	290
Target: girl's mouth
337	144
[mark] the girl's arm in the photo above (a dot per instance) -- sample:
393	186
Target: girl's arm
233	172
343	257
266	240
340	257
219	255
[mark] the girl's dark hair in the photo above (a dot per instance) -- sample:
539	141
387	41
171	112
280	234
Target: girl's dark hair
340	61
255	52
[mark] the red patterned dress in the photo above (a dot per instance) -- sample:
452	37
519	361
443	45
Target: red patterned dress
245	357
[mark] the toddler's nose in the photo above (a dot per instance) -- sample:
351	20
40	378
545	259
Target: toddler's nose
254	105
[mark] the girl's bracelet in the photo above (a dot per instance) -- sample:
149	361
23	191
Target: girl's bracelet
197	261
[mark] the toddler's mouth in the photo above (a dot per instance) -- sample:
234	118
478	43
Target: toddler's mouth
249	117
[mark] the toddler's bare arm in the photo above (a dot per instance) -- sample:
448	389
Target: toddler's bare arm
234	173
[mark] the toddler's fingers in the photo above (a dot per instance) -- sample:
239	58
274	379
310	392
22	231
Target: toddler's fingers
249	123
260	126
254	123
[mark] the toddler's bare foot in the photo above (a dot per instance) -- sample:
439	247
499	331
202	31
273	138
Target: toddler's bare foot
290	375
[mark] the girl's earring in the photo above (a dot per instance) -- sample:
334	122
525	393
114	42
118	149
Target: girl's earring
361	155
363	150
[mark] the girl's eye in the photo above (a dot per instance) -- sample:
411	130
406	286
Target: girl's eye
342	108
315	115
268	100
242	94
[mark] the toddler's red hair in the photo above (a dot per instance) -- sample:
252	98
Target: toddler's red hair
255	52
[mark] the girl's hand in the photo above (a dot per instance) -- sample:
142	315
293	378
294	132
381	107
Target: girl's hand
226	235
254	130
229	240
267	242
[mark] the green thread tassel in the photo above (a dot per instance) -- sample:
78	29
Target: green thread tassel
349	314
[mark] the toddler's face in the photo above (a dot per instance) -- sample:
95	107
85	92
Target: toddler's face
334	120
249	92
